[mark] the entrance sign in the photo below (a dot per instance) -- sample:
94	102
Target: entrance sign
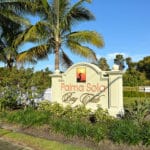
86	84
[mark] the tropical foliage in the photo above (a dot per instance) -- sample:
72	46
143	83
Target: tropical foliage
119	60
11	14
138	111
54	32
20	86
12	24
137	73
144	66
102	64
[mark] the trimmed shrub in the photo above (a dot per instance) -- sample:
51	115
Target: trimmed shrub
138	111
44	105
69	128
96	132
28	117
124	131
102	115
54	108
75	113
145	133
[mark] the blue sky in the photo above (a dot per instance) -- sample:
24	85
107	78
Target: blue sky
124	25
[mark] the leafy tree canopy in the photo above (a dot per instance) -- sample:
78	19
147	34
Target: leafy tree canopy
102	63
119	60
144	66
21	84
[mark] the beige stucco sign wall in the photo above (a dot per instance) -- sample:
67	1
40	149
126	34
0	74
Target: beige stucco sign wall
85	84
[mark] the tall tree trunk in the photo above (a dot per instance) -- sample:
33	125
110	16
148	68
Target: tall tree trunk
57	56
10	63
57	44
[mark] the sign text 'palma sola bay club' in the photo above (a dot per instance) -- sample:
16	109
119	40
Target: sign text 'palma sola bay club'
85	84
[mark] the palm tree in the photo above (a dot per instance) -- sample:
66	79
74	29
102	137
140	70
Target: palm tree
11	24
55	31
119	60
8	53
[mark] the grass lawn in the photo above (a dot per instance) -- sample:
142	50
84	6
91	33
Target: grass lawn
128	101
36	143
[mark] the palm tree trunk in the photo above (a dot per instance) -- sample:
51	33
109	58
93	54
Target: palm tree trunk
57	36
57	56
10	63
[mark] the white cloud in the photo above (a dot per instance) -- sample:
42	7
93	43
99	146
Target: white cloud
111	56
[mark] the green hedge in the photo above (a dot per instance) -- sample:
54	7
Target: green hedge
135	94
78	128
125	131
27	117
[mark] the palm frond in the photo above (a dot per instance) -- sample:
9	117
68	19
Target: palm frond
83	51
76	13
2	58
33	34
14	17
38	52
65	60
46	6
2	45
91	37
2	53
8	25
20	6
